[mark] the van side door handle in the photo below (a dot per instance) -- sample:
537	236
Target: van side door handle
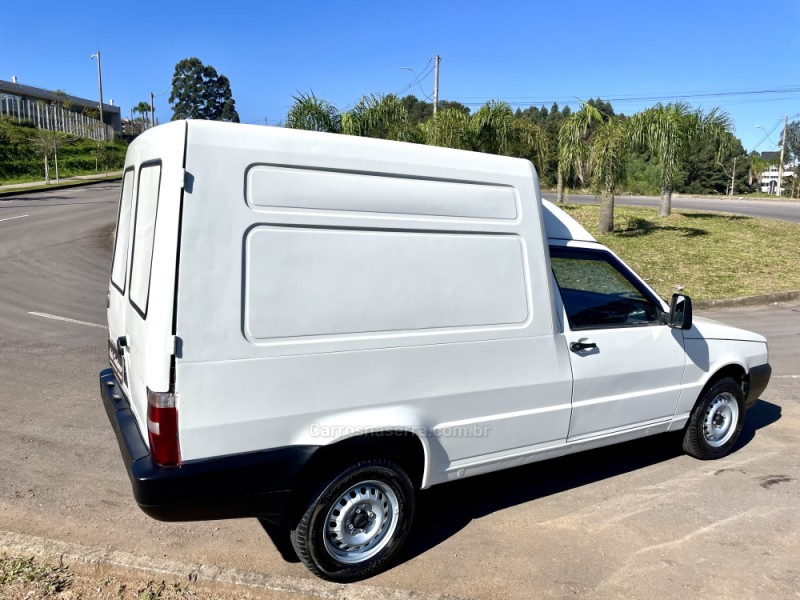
582	345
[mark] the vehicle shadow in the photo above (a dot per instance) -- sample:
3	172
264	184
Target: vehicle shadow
444	510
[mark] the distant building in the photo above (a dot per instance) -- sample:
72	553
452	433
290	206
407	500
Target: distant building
769	178
15	95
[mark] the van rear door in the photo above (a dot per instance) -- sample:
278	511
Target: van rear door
142	290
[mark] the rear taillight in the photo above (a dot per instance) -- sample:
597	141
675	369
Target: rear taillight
162	427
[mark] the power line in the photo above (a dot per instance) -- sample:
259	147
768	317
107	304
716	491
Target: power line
638	98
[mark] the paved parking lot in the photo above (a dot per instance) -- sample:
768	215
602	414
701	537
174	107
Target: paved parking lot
636	520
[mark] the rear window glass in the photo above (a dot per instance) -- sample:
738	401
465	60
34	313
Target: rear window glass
144	236
119	264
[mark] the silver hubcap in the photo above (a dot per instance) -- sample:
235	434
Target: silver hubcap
361	522
720	420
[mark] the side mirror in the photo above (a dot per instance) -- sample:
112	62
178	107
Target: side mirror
680	312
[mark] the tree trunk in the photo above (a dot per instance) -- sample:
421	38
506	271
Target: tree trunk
55	154
560	187
606	211
46	171
665	208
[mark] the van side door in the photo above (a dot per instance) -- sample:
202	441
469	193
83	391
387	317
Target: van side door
627	363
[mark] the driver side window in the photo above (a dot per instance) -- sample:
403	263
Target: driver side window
598	293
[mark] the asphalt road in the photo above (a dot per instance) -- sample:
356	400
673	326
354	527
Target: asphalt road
768	209
635	520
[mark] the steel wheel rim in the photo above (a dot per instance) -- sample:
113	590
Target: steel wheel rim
361	521
720	419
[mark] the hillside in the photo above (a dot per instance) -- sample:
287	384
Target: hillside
22	152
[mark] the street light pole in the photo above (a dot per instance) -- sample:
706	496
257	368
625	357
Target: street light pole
436	84
100	87
153	97
783	150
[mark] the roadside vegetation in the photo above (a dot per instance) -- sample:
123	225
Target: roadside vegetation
25	578
31	154
663	149
707	256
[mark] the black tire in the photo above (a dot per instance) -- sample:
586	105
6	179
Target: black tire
716	421
335	560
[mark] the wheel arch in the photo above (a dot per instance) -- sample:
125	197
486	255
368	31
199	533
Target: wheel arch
403	447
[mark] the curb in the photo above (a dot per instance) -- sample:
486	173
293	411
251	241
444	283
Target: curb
66	553
756	300
56	187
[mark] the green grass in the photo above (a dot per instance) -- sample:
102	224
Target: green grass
707	256
21	160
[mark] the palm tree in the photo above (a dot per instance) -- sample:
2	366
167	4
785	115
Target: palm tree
669	132
315	114
603	154
450	128
143	108
382	117
373	116
493	129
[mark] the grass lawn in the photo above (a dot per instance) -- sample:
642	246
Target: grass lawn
707	256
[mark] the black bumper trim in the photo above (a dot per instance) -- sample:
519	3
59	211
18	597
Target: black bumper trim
254	484
758	380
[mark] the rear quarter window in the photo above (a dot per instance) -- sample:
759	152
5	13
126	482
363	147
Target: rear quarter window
144	235
119	264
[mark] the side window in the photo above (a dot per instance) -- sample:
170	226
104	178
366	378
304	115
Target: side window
144	235
119	264
597	292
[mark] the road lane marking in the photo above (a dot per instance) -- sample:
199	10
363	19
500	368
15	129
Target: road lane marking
787	376
17	217
66	319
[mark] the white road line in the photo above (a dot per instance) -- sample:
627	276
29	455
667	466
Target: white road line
66	320
787	377
17	217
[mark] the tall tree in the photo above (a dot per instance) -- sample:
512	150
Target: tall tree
793	141
605	153
199	92
670	131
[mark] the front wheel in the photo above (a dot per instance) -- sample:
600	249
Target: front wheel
716	421
358	521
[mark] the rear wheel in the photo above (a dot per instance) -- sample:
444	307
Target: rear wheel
716	421
357	522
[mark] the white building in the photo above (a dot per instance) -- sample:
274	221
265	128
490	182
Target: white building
769	179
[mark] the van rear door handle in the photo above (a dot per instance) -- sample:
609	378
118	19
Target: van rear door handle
580	346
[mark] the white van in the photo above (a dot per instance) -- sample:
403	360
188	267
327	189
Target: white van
308	328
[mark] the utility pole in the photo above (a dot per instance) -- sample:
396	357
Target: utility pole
100	86
436	83
733	175
783	150
152	110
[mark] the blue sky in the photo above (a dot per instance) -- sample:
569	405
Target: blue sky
523	52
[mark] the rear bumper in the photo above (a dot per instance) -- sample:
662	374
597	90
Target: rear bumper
255	484
758	380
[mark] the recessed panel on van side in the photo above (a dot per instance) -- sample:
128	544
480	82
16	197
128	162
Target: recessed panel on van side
316	282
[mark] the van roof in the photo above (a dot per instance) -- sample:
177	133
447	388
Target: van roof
560	226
